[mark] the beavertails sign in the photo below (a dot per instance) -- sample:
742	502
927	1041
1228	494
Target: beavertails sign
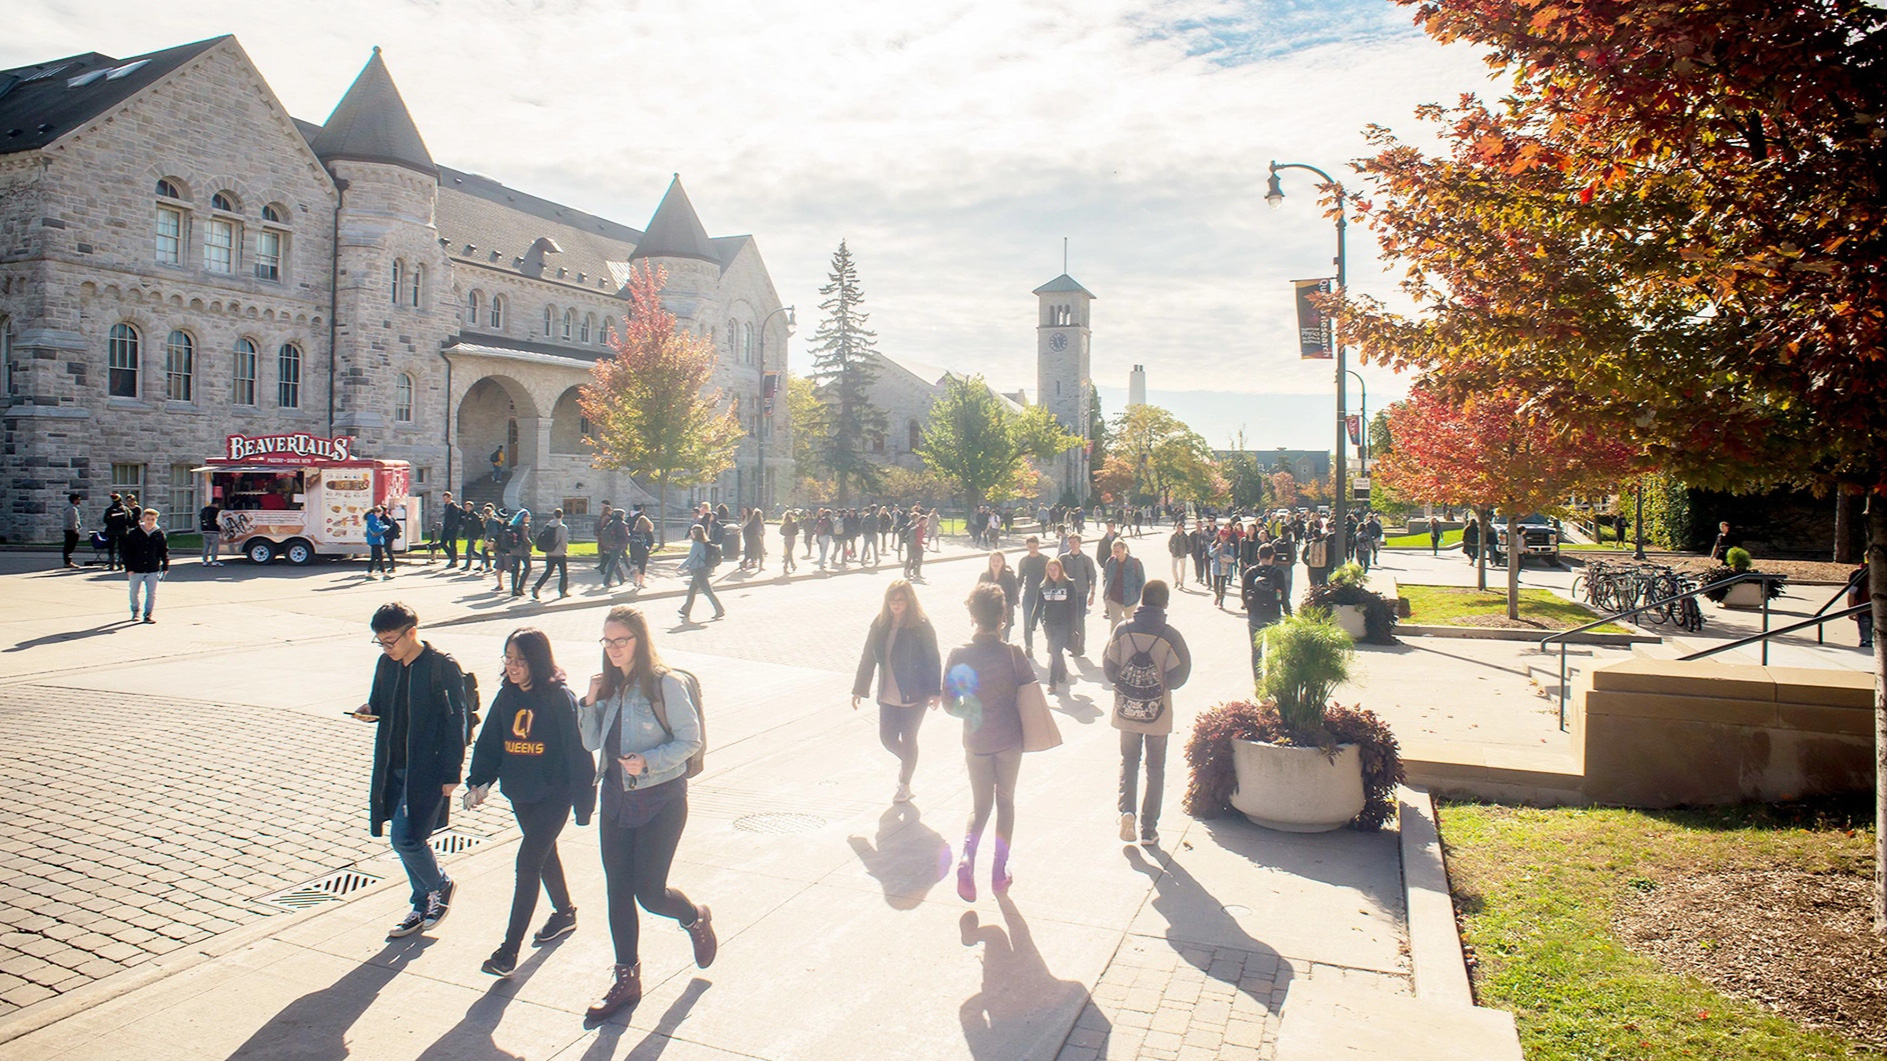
289	449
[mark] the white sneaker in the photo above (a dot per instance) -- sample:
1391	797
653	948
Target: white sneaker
1127	834
903	794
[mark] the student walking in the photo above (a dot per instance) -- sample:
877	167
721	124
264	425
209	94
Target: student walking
449	529
472	532
556	537
1224	557
379	545
1123	579
1267	597
914	545
982	679
1434	537
1179	546
1145	659
1031	569
641	543
998	573
531	747
518	546
645	720
74	522
496	532
612	538
902	650
753	555
1055	610
698	567
418	702
1079	567
789	530
146	555
822	529
118	523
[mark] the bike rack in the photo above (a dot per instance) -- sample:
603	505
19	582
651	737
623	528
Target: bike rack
1565	692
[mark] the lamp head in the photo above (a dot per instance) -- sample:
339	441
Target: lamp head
791	322
1274	191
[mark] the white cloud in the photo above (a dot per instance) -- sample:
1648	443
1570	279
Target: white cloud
953	146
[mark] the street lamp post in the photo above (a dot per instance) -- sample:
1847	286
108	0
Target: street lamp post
766	415
1274	195
1362	437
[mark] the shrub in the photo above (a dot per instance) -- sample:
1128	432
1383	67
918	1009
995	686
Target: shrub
1738	559
1379	613
1213	778
1350	574
1306	657
1772	583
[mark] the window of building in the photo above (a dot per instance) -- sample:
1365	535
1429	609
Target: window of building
219	243
471	309
245	390
578	506
180	354
746	344
550	319
403	399
269	256
6	355
288	376
416	286
275	214
169	236
915	432
223	201
733	338
122	348
589	325
183	497
127	479
569	323
603	332
168	189
399	275
497	319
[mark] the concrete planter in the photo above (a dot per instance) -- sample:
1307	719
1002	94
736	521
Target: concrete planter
1350	618
1297	790
1746	595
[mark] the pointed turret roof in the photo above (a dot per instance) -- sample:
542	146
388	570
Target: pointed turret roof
372	124
1063	284
675	231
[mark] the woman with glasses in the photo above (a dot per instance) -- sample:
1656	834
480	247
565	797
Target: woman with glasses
642	717
530	746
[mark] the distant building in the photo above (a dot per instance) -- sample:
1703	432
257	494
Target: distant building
1137	386
1305	465
1063	337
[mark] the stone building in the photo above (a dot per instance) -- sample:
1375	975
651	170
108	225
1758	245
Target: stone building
180	260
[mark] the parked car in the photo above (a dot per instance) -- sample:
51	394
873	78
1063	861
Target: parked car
1539	537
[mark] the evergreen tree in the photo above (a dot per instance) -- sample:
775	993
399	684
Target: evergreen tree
1099	440
844	366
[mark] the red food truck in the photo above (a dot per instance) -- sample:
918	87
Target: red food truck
302	496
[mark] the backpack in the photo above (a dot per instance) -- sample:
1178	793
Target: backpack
713	553
614	535
546	539
440	659
1140	688
698	761
1317	554
1264	596
393	531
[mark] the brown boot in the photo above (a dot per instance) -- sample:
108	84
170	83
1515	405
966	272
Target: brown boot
702	933
624	992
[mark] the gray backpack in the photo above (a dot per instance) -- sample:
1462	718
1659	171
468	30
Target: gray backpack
1140	688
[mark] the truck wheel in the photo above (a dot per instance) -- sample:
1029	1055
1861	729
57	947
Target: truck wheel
261	552
299	552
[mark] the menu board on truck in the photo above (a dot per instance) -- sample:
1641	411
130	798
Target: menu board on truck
346	496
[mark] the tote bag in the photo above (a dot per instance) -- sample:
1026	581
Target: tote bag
1039	732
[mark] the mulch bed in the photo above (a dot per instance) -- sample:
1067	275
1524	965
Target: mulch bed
1501	622
1797	570
1801	944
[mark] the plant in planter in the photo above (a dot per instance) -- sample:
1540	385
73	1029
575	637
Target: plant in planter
1345	587
1737	562
1325	765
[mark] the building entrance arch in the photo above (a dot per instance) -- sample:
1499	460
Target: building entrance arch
496	435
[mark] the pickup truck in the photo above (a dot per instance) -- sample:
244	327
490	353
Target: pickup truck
1539	535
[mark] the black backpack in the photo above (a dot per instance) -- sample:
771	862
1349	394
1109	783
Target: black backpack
1140	687
440	659
393	531
1264	592
713	552
546	539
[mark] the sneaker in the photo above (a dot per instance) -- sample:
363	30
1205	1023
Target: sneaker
701	931
560	923
903	794
501	964
966	881
148	619
408	925
1149	837
438	905
1000	879
1126	828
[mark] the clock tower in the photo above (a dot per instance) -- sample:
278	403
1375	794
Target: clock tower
1061	379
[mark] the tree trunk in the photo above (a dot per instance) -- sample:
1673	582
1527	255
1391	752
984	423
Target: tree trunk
1877	593
1850	531
1515	545
1480	549
661	509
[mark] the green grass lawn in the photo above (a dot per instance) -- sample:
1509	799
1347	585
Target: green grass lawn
1449	540
1537	891
1449	605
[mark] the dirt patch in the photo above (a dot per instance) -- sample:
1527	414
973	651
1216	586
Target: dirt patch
1797	570
1501	622
1799	943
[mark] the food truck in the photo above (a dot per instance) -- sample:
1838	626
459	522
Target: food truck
302	496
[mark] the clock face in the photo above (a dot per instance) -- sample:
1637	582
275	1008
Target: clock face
1058	341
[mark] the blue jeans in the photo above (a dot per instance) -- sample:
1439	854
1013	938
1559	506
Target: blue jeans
409	842
147	579
698	583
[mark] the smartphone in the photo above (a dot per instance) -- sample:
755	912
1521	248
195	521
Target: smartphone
363	718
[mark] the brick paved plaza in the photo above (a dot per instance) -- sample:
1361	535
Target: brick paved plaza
163	780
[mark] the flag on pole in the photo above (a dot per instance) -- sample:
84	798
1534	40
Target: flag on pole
1315	336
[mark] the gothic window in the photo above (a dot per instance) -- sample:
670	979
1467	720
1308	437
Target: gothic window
245	389
288	376
569	323
471	309
915	431
180	355
168	188
399	274
275	214
497	319
403	398
123	360
589	326
416	287
746	344
550	319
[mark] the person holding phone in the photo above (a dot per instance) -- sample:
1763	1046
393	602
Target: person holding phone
643	719
418	702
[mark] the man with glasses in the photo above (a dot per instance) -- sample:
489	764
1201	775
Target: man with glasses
419	703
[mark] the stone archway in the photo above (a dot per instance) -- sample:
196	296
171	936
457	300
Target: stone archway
566	425
497	414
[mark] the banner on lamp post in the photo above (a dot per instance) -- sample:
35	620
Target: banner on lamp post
1355	425
1315	336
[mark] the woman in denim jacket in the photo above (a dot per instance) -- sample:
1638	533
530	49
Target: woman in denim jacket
644	798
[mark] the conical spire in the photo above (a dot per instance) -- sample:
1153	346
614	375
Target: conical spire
675	231
371	124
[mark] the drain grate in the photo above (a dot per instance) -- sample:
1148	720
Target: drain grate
329	889
778	822
451	842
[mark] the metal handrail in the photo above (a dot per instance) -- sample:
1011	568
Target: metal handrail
1817	620
1843	591
1561	636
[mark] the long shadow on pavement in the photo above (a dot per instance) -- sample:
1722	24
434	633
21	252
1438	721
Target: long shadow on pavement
471	1038
314	1027
1182	900
654	1043
907	857
1021	1005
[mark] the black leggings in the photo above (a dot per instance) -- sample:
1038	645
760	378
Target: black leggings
897	728
635	868
537	864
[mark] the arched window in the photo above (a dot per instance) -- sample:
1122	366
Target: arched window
224	201
733	338
275	213
604	330
550	320
403	398
746	344
416	286
569	322
399	274
915	432
288	376
244	392
122	348
180	356
168	188
471	309
589	326
497	319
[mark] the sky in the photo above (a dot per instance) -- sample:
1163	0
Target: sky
953	146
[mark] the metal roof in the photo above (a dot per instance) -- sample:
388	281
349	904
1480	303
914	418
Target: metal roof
45	101
372	124
676	231
1063	284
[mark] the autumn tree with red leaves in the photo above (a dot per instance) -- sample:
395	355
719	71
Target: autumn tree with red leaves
1672	224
